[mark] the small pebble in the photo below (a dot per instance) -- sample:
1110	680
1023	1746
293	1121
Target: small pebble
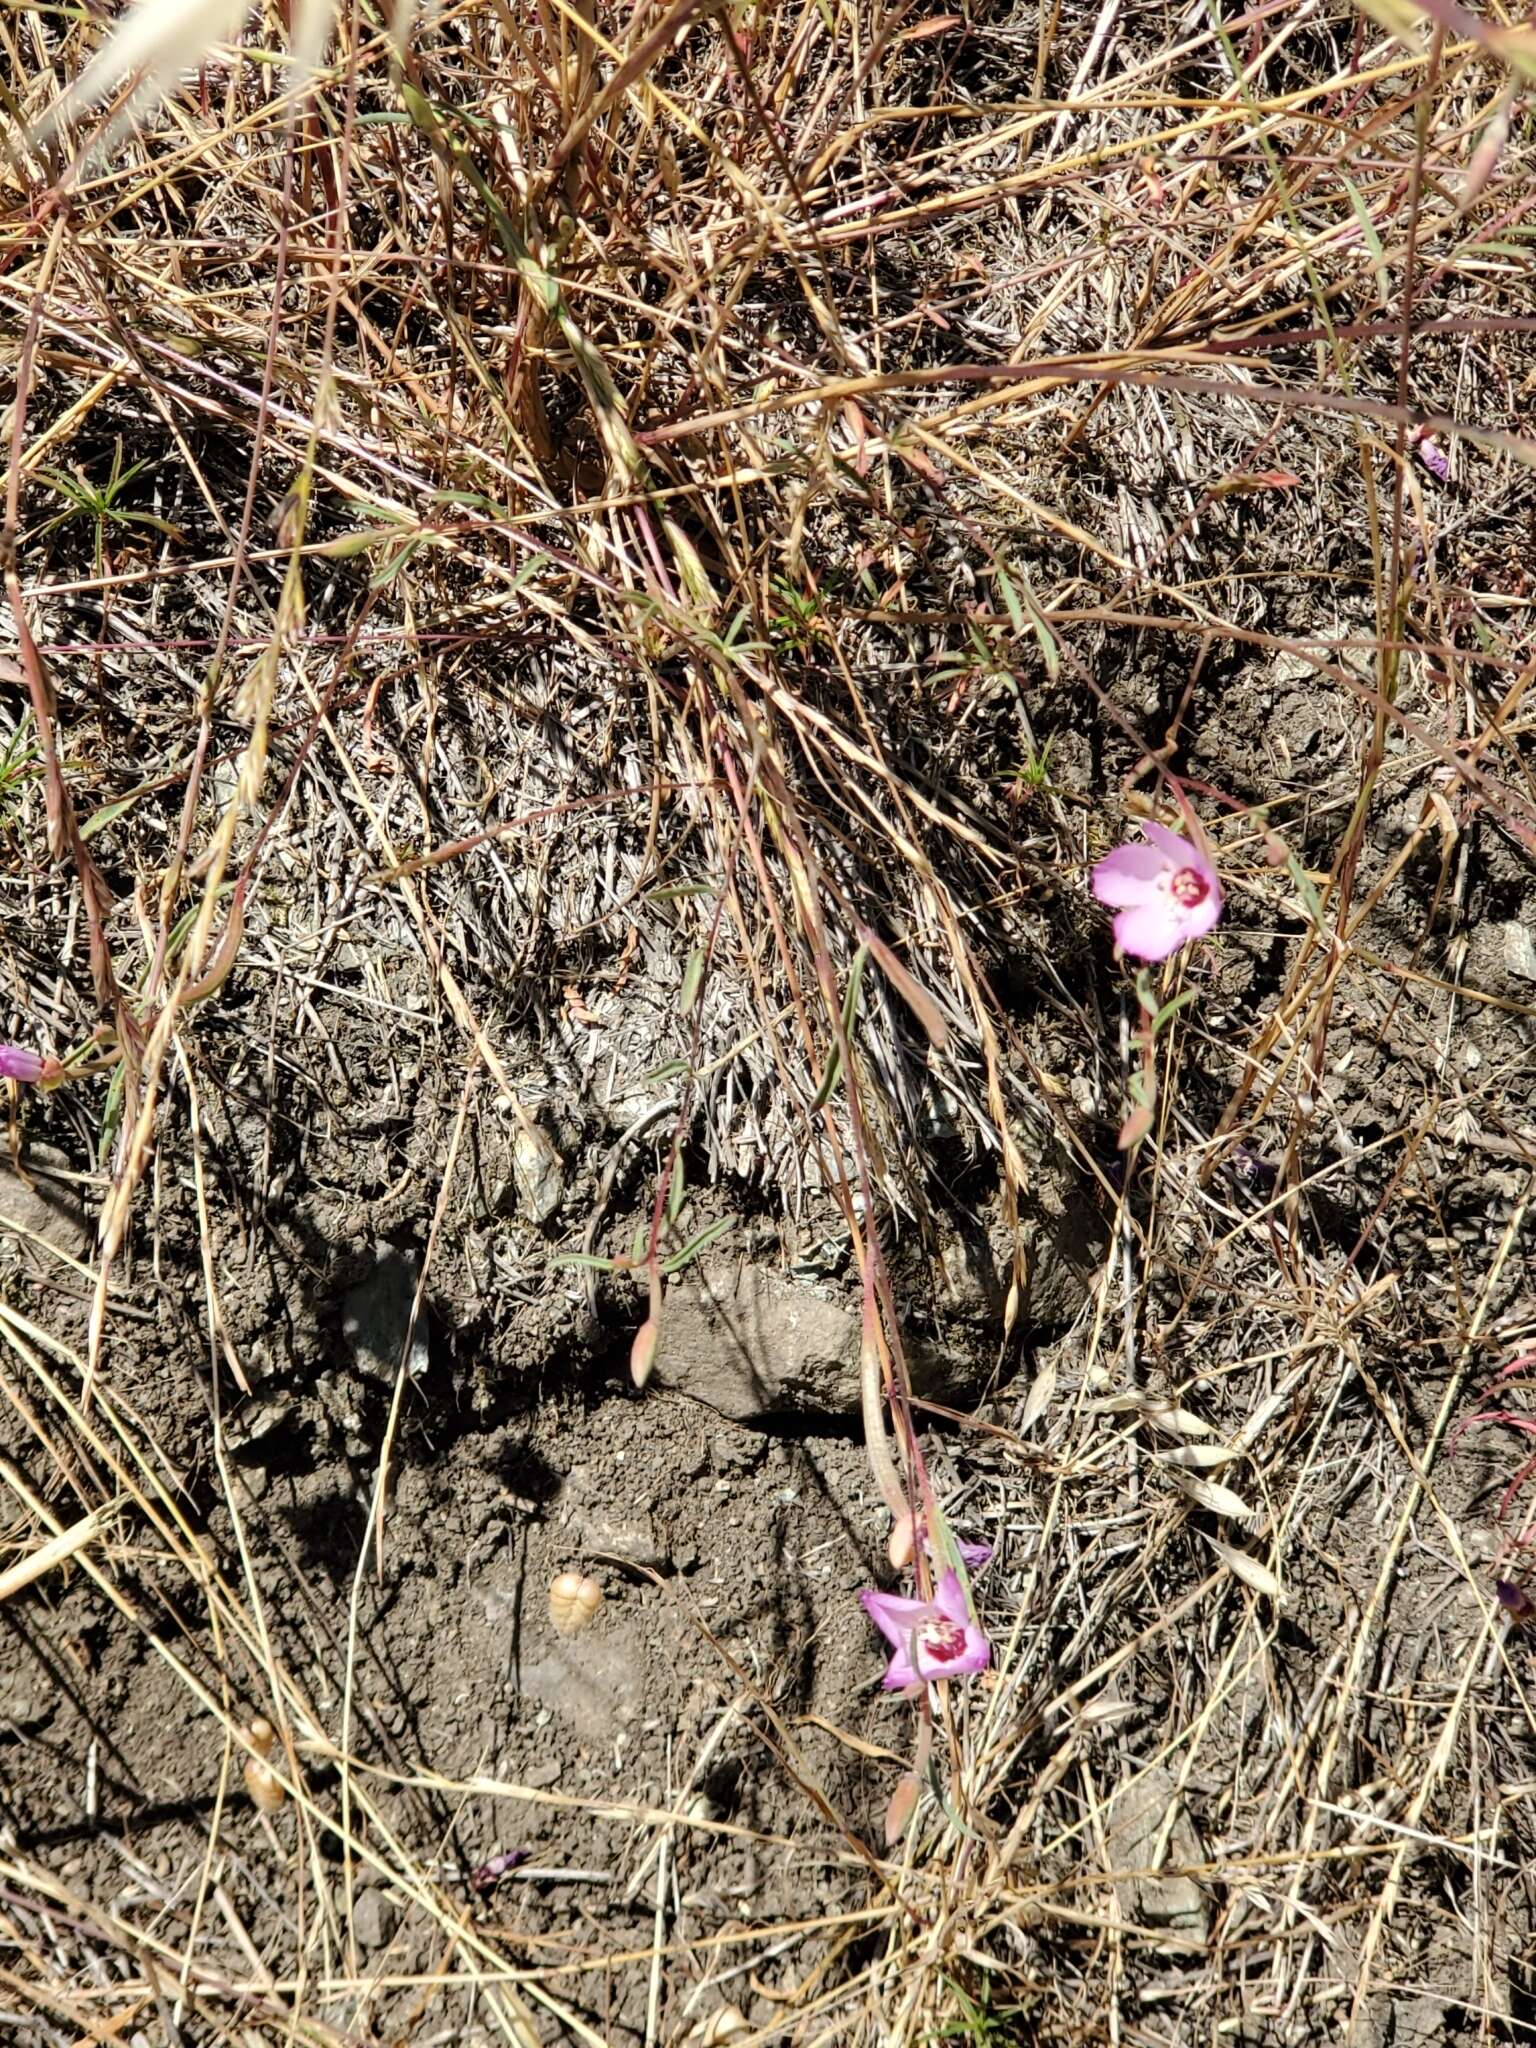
375	1917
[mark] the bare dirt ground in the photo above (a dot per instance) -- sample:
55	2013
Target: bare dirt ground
581	604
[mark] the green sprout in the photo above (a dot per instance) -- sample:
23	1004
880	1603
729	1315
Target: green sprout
100	504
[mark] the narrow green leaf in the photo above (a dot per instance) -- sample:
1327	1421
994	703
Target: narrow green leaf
1010	597
391	569
828	1080
526	571
1050	653
855	986
98	821
1170	1008
697	1244
346	545
1305	890
1372	241
693	981
850	1012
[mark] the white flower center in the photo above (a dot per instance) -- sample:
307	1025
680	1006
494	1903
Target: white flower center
1188	887
942	1640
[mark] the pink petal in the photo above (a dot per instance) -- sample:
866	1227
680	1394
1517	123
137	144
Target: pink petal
1150	931
1127	875
899	1673
1203	917
978	1652
1434	459
1177	851
949	1598
20	1063
894	1617
972	1555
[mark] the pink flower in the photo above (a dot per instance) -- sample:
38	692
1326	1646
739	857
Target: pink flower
937	1638
20	1063
1166	893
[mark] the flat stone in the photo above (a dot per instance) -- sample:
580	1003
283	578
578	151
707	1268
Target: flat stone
500	1603
258	1419
27	1696
376	1314
538	1171
257	1479
37	1203
605	1532
751	1343
1148	1828
1501	959
604	1527
972	1287
594	1682
755	1343
1519	951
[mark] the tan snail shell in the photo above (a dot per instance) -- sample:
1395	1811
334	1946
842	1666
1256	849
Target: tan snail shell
260	1779
573	1601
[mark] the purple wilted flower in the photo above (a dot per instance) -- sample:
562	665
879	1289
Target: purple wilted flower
20	1063
1431	454
929	1639
483	1878
1515	1600
1251	1170
1166	893
972	1555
